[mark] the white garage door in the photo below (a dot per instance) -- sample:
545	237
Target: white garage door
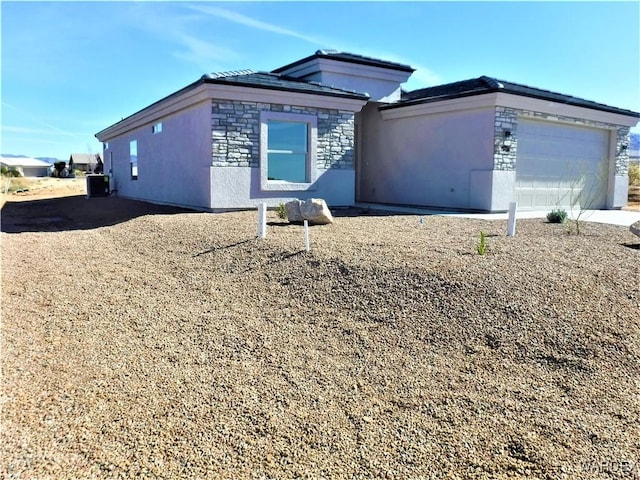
561	165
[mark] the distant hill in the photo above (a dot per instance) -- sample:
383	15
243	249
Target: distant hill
50	160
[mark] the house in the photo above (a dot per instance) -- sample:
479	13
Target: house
634	148
26	166
481	143
85	162
339	126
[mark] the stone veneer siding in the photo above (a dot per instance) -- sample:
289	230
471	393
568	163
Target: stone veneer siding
506	148
235	134
504	154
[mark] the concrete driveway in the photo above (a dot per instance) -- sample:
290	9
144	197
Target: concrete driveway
612	217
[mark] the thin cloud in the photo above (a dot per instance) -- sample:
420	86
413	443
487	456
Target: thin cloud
186	46
38	131
201	53
423	76
50	129
29	140
253	23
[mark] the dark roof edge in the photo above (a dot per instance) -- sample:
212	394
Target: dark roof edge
220	81
353	59
177	93
577	102
338	94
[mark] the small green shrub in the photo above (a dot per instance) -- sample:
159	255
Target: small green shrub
281	211
10	172
557	215
481	248
634	174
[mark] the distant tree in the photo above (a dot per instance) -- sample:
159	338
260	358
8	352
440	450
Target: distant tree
99	165
59	169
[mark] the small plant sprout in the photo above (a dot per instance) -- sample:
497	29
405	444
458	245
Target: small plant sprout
481	248
557	215
281	211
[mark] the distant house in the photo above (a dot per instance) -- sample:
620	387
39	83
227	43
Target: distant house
85	162
634	148
339	126
28	167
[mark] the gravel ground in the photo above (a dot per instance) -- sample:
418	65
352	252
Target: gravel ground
142	341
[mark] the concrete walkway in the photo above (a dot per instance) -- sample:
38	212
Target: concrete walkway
612	217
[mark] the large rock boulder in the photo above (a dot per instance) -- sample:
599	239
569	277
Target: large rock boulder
635	228
293	211
315	210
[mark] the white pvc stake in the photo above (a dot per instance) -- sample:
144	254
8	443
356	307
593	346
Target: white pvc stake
511	228
262	220
306	235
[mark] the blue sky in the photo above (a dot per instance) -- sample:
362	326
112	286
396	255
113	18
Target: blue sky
70	69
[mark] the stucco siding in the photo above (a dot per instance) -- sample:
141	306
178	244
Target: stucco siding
427	160
173	165
378	89
239	188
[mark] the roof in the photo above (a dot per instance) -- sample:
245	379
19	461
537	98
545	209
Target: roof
348	58
484	84
23	162
82	158
275	81
259	80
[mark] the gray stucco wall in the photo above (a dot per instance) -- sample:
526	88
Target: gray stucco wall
173	165
440	160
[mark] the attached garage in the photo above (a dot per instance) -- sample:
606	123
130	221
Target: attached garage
483	143
561	165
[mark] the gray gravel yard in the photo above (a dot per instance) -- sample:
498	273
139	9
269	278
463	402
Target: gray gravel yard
162	343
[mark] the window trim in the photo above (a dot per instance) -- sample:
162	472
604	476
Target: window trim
312	136
132	162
